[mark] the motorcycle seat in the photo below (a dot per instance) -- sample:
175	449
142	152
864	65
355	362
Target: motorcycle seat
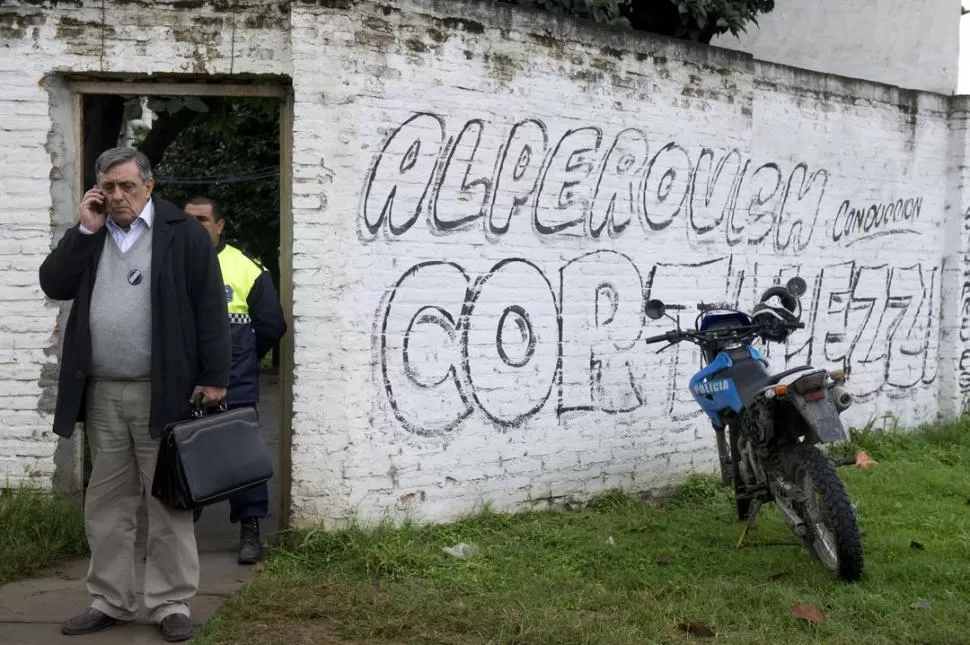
750	377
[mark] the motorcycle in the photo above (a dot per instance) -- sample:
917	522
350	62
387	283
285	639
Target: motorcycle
773	423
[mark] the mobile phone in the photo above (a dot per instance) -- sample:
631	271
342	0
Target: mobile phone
98	207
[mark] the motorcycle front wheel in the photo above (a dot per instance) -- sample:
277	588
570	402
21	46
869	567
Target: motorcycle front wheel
832	534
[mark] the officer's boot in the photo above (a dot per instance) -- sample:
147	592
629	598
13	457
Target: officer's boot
250	549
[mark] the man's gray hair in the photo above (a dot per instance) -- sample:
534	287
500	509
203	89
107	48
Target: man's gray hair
114	156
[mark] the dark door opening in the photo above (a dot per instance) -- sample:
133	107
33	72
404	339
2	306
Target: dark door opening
227	148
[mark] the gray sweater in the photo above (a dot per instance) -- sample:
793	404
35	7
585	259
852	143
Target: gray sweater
121	312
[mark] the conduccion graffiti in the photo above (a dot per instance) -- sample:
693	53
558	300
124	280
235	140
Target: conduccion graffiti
854	224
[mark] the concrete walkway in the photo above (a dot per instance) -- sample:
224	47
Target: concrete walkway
31	611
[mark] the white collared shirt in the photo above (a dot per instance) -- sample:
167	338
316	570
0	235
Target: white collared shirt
126	239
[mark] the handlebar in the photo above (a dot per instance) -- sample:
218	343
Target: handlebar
671	337
677	335
713	306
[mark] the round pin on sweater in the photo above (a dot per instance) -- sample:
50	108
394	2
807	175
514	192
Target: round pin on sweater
134	277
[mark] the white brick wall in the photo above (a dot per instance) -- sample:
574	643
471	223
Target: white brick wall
38	164
738	171
482	201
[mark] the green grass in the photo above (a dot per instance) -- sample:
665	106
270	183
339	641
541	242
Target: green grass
556	577
37	529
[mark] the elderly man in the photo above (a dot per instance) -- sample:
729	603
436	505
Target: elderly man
256	323
148	329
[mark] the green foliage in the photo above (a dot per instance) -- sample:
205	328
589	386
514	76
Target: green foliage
701	489
37	528
697	20
613	499
230	139
171	105
608	12
161	105
701	16
948	444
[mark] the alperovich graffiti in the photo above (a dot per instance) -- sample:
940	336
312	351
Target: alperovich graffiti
526	338
583	184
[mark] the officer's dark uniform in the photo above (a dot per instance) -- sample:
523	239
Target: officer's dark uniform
256	325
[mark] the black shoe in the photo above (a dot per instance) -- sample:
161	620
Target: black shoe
89	622
250	550
176	628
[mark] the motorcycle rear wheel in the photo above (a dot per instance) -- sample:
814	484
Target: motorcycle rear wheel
833	535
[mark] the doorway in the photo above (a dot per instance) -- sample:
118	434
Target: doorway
230	143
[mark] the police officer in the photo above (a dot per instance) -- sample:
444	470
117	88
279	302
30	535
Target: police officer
256	324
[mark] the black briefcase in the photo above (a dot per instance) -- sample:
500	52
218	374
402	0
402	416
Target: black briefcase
210	457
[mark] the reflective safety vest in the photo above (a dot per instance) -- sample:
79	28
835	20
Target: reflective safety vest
239	273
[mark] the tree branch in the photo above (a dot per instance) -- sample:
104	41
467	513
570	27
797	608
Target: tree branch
166	129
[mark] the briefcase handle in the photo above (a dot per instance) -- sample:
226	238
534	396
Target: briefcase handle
198	410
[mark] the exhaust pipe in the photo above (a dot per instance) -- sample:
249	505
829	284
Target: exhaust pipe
841	398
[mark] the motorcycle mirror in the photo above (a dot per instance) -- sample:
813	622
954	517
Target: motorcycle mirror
655	309
796	287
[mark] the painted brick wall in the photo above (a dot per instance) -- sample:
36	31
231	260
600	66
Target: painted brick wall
39	45
483	199
954	392
505	191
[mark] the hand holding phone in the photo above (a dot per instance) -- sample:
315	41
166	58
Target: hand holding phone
93	209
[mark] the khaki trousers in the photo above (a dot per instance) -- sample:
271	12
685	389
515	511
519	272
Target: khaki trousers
123	465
